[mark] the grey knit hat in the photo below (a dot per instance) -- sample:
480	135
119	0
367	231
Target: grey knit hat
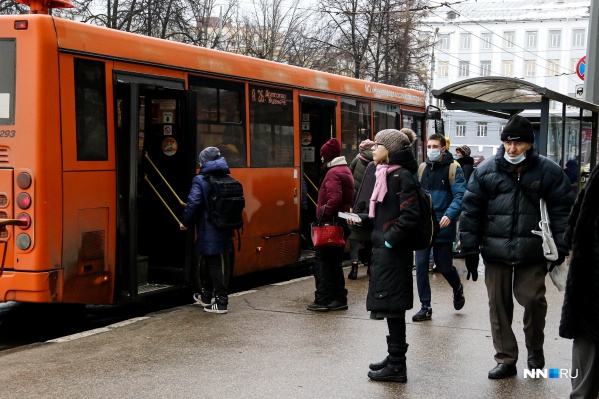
465	150
209	154
395	140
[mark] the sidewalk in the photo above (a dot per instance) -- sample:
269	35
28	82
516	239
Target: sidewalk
270	346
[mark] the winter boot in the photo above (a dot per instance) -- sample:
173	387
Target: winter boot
395	370
379	365
353	274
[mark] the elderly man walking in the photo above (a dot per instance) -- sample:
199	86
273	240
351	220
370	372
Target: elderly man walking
501	208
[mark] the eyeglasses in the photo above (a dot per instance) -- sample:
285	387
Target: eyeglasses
376	144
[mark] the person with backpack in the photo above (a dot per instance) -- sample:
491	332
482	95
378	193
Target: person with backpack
358	235
335	195
394	213
214	244
444	180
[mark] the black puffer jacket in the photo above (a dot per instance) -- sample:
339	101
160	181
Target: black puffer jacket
501	207
390	289
580	312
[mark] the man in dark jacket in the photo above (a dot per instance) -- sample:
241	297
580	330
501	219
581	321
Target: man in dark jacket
447	201
335	195
214	245
580	312
501	208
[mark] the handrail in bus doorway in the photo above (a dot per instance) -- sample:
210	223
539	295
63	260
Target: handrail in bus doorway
3	224
161	199
313	185
146	156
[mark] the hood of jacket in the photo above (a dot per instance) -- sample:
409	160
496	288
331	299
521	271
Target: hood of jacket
218	167
405	159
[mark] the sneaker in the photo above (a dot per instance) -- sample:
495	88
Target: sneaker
317	307
202	299
216	308
435	269
458	298
337	305
425	313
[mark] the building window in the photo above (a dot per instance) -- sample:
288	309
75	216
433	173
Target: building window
552	67
485	68
465	41
530	68
443	43
555	38
486	41
578	38
443	69
482	129
573	64
507	68
460	129
509	38
531	39
464	68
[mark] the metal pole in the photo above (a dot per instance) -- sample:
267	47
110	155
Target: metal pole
591	80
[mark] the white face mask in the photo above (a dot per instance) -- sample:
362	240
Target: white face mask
433	154
515	160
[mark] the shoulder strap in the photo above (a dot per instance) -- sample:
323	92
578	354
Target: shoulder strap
421	170
452	169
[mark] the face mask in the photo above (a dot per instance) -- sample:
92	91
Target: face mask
456	156
515	160
433	154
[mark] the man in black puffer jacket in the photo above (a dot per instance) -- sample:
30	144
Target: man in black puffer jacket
501	208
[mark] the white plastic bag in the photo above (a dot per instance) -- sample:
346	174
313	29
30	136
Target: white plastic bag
549	248
559	275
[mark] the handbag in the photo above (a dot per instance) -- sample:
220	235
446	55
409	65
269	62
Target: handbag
558	274
328	234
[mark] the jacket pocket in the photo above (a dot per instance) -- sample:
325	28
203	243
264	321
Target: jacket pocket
381	295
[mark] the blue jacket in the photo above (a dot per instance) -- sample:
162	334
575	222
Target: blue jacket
447	198
210	239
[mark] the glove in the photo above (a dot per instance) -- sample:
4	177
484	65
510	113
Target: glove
472	266
390	246
561	257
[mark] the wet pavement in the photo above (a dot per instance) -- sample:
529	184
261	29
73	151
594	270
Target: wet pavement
270	346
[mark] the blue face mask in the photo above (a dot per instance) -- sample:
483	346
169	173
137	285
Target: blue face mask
433	154
456	156
515	160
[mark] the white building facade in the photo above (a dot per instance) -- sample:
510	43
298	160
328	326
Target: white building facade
539	41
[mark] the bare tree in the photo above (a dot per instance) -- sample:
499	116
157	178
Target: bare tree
12	7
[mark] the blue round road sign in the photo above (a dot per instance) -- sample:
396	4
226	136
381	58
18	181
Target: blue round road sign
581	66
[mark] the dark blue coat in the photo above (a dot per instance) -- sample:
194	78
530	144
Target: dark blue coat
447	198
210	239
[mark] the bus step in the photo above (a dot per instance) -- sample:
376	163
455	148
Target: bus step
306	254
151	288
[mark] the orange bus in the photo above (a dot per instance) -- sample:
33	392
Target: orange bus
100	131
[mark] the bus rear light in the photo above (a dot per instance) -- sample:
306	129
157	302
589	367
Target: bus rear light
21	25
24	201
23	241
24	180
25	217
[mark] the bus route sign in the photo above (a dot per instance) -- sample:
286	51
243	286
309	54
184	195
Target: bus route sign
581	66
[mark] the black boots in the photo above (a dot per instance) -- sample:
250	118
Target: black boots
353	274
393	368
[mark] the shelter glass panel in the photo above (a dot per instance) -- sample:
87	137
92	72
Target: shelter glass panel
220	120
554	138
271	127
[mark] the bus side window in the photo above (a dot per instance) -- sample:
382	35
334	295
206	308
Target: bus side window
90	110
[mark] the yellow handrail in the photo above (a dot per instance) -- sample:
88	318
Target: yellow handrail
146	156
308	179
161	199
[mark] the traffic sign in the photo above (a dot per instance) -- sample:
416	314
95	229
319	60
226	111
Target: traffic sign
581	66
579	91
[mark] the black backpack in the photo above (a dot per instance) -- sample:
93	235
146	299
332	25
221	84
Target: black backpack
226	202
424	234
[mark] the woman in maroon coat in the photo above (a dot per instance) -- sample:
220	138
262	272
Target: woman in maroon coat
335	195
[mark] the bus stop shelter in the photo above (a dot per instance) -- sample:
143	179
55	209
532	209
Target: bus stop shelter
565	127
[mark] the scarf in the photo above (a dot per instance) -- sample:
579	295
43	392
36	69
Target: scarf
380	186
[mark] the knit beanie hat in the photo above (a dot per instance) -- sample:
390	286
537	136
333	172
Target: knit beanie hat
331	149
209	154
395	140
366	145
465	150
518	128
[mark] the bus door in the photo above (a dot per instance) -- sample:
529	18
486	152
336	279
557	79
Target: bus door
156	163
317	116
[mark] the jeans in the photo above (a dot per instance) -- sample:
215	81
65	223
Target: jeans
443	255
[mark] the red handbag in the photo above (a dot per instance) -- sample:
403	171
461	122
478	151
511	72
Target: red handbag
328	234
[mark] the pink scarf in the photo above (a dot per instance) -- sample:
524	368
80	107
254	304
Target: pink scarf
380	186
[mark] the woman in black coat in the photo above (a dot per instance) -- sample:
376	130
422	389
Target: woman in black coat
465	161
394	212
580	312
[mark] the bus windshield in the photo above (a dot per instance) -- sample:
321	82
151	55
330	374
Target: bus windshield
7	81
